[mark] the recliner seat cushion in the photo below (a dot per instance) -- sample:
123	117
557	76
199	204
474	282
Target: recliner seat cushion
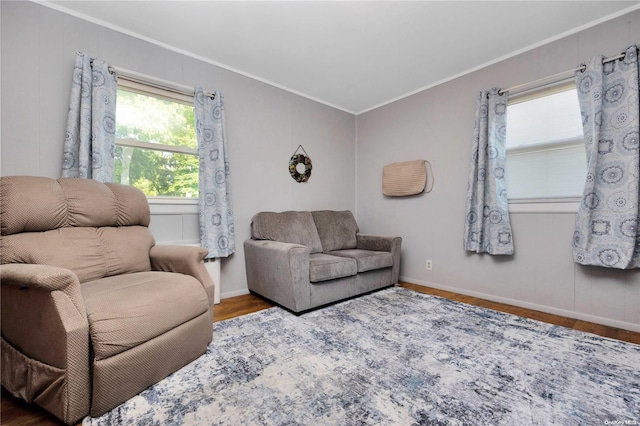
125	311
367	260
323	267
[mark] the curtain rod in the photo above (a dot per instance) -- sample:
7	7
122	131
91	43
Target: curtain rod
555	77
155	82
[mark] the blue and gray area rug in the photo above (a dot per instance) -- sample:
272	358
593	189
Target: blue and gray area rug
395	357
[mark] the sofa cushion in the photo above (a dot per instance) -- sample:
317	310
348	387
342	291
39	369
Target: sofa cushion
367	260
337	229
127	310
323	267
286	227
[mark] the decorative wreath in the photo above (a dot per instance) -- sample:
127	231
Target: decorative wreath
293	170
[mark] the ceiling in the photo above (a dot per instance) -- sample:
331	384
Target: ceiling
354	56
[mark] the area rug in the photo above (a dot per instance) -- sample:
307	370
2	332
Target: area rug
395	357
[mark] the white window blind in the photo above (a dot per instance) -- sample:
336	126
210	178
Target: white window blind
545	149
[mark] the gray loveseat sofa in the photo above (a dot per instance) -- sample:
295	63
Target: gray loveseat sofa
302	260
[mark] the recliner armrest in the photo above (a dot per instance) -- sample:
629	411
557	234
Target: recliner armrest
188	260
163	252
41	277
45	335
45	278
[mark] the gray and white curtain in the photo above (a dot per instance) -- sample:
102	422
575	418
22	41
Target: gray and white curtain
217	233
91	124
607	225
487	227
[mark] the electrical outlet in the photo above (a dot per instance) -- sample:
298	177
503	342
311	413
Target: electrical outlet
429	265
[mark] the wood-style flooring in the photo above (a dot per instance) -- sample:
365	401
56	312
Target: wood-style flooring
15	412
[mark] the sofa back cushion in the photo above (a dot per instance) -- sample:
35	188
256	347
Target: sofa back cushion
286	227
94	229
337	229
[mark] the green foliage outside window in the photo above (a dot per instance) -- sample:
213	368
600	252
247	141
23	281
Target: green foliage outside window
150	119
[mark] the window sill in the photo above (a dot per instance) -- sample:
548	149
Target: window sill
173	205
545	205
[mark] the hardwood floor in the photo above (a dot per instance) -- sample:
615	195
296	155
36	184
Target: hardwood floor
237	306
15	412
589	327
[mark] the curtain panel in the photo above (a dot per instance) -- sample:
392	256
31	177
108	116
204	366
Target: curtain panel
89	143
217	233
487	226
607	222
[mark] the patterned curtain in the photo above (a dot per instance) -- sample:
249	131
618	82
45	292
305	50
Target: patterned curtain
487	227
217	232
607	232
91	125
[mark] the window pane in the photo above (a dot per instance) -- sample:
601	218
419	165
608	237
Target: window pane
549	118
545	150
151	119
157	173
547	173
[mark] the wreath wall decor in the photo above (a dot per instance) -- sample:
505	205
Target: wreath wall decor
300	159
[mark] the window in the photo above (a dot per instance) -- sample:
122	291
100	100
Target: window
156	147
546	159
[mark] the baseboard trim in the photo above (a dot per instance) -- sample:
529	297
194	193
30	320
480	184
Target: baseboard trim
534	306
230	294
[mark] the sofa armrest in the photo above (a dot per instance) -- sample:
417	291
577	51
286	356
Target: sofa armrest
391	244
279	272
378	242
45	339
188	260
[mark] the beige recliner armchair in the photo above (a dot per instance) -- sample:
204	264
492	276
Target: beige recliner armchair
93	312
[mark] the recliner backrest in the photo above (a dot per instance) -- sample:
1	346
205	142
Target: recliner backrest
91	228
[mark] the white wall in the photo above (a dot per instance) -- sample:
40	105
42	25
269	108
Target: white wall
264	124
437	125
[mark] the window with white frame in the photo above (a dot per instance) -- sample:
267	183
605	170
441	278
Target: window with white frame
546	159
156	148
